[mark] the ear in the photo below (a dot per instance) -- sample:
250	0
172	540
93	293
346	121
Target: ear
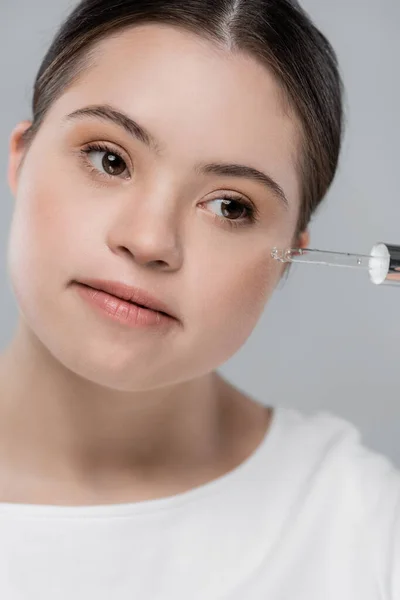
303	241
17	147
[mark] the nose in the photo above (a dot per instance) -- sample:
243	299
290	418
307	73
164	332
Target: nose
149	237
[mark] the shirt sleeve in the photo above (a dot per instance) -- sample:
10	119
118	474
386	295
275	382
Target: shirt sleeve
377	482
394	556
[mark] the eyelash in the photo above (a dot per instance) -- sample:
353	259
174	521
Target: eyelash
252	211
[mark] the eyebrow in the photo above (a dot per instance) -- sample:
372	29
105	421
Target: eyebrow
105	112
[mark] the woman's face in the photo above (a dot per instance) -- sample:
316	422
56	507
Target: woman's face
147	217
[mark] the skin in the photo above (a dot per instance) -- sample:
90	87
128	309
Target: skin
95	412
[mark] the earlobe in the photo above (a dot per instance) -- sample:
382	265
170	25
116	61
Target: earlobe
304	239
17	147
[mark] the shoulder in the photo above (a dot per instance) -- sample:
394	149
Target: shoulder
360	485
336	445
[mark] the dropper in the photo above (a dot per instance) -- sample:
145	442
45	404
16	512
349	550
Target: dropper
383	263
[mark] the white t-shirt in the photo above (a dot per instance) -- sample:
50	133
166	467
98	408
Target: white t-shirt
312	514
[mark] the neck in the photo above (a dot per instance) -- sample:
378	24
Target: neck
58	425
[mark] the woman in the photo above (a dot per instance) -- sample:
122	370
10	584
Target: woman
174	144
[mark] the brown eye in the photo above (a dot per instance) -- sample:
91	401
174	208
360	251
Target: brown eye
113	164
105	161
233	209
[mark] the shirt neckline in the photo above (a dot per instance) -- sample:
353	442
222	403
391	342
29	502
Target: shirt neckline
127	509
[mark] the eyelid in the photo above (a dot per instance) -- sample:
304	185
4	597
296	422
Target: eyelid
101	148
106	146
239	197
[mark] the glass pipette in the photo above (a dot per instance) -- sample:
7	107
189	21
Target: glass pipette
323	257
383	264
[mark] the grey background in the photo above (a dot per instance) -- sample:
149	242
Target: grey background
329	339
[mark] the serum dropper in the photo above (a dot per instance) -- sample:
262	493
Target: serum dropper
382	264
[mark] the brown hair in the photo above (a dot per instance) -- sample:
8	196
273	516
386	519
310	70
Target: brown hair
276	32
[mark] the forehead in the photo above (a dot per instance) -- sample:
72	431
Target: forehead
199	99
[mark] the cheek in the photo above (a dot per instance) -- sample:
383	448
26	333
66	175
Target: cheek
231	301
243	290
40	231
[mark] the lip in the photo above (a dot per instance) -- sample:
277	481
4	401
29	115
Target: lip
129	294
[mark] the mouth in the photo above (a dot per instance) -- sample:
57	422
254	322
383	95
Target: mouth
133	295
120	298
